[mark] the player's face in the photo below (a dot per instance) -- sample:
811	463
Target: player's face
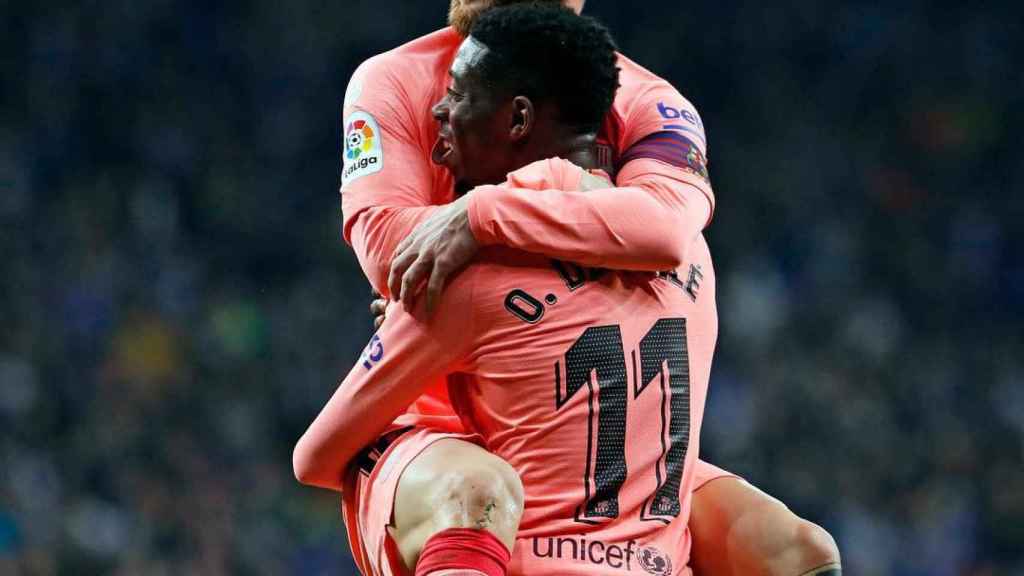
462	13
473	123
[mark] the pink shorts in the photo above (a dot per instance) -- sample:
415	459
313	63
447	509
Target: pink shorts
369	499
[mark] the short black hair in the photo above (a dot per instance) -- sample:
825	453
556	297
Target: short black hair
549	53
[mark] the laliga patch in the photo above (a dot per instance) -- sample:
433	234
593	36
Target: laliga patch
362	151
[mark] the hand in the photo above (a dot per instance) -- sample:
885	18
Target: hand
439	246
379	310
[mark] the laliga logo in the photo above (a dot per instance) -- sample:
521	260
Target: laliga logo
358	139
363	153
654	561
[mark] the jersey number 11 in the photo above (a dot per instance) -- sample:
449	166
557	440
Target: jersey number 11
599	351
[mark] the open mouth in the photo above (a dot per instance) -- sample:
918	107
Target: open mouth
442	150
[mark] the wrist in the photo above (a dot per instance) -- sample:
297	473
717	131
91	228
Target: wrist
477	214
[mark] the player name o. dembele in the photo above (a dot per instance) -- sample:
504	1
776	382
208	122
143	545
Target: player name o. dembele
530	309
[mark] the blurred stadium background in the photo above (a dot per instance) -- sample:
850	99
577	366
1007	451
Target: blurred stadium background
177	304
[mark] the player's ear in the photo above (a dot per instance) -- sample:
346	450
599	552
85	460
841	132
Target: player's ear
523	118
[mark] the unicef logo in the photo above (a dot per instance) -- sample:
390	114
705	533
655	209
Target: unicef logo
358	139
654	561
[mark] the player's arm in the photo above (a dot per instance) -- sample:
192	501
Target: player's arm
645	223
662	201
406	354
386	179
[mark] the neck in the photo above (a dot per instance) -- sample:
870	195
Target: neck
580	149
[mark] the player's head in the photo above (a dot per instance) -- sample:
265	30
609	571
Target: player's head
463	13
529	79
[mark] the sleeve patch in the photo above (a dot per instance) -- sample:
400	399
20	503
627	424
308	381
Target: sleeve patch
682	119
373	352
362	152
671	148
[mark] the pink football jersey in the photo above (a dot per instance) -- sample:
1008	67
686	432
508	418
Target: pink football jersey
590	383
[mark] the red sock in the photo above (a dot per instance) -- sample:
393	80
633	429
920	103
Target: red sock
458	551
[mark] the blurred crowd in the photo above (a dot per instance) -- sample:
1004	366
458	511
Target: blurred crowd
177	303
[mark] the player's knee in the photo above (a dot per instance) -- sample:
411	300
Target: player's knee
488	496
455	484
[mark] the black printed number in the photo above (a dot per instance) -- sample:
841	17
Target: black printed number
666	343
597	361
599	350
